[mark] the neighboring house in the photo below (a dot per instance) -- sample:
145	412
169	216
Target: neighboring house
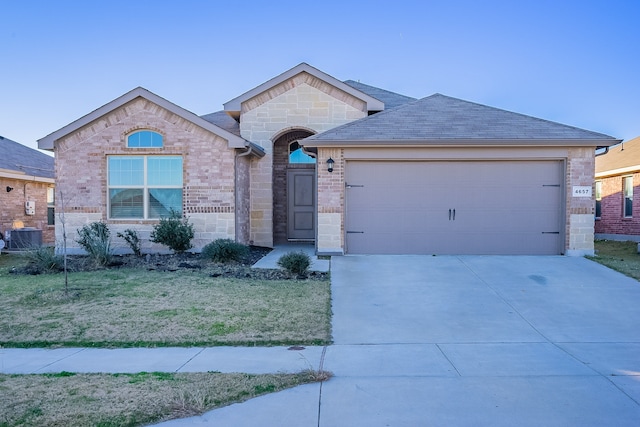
357	169
617	198
26	192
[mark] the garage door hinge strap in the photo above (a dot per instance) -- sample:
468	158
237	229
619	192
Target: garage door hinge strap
551	185
355	232
352	186
550	232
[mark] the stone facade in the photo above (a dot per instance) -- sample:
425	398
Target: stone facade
209	198
301	103
579	230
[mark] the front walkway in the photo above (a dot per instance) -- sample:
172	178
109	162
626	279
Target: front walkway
271	259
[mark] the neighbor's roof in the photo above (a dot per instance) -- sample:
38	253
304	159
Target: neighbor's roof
443	119
234	105
24	162
390	99
620	159
234	141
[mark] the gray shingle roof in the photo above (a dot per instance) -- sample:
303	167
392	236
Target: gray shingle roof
390	99
224	121
22	159
440	117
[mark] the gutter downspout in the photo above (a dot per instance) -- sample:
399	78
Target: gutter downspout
606	150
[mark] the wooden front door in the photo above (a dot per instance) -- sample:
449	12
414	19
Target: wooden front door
301	204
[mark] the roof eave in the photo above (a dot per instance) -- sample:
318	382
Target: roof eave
48	142
25	177
234	106
459	142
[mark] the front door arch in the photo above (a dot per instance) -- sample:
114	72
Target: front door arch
294	190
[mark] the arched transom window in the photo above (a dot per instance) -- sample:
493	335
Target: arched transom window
144	139
296	155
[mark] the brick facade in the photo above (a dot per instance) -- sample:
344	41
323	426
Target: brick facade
208	180
612	220
13	206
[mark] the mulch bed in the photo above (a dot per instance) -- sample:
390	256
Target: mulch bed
185	262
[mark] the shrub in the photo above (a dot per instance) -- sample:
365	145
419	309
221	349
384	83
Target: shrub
224	250
173	231
95	239
295	263
132	239
44	258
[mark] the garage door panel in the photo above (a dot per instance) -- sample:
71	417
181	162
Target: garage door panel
472	207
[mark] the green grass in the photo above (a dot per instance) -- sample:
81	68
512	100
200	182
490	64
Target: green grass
131	307
620	256
128	399
140	308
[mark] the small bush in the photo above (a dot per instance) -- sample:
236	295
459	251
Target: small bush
95	239
132	239
44	259
174	232
295	263
224	250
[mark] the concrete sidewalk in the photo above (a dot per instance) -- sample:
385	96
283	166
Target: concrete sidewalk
251	360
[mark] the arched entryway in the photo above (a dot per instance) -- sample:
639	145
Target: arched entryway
294	189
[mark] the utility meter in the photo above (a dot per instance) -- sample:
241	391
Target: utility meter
30	208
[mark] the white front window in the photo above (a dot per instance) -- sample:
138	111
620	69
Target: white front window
144	187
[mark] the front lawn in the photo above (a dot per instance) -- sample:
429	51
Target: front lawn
126	307
198	305
620	256
68	399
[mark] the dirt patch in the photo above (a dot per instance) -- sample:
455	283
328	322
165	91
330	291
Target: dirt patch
181	262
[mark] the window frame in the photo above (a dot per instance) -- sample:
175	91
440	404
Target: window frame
627	200
51	206
598	197
140	131
145	186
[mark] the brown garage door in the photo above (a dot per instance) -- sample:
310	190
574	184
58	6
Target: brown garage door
465	207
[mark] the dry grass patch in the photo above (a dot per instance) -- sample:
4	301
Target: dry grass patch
134	307
619	256
128	399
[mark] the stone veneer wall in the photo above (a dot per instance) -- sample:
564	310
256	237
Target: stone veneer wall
580	210
208	181
304	103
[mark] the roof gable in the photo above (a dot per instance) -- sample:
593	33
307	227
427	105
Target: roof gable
621	158
24	160
443	118
235	105
48	141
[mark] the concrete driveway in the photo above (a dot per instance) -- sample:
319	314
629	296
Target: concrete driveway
469	341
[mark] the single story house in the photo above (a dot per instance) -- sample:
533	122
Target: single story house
617	211
353	168
26	195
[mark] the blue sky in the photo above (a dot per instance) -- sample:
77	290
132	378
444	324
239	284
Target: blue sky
574	62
